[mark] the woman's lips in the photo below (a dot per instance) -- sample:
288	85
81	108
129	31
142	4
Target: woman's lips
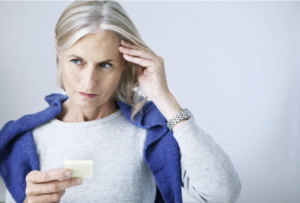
88	95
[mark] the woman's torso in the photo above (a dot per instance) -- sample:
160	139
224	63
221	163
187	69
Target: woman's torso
116	147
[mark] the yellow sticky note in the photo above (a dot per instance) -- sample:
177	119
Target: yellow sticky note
80	168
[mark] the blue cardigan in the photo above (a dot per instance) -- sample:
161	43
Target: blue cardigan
18	155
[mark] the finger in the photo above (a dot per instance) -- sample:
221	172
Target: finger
56	169
51	187
129	45
63	192
46	176
52	197
133	46
142	53
140	61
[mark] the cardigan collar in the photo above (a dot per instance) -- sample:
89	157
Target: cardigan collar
18	154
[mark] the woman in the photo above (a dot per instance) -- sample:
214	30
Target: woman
104	66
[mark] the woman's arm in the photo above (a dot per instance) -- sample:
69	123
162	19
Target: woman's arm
207	172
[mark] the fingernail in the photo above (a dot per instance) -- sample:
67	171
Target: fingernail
68	174
78	181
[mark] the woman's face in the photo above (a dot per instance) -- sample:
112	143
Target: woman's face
93	65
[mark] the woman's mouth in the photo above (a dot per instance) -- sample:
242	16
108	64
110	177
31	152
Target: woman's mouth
87	95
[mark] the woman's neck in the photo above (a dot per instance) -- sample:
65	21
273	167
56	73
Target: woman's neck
73	114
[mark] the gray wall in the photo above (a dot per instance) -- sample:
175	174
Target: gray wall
235	65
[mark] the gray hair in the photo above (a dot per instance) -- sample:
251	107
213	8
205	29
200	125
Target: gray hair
84	17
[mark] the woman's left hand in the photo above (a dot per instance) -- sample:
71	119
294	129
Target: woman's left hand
150	69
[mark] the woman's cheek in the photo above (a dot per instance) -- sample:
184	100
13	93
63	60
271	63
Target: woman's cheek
72	76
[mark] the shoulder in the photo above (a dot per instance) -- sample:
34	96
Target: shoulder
30	121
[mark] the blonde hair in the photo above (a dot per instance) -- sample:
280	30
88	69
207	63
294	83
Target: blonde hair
84	17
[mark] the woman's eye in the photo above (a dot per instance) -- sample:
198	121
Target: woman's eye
75	60
106	66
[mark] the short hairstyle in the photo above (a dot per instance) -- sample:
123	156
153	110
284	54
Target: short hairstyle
84	17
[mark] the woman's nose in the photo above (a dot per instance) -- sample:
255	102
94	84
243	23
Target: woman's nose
90	78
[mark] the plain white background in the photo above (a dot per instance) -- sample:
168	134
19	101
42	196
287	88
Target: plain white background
235	65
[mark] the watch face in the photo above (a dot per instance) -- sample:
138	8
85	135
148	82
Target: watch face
188	112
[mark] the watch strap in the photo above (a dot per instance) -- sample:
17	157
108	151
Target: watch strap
176	119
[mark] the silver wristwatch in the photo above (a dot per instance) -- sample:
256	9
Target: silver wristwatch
183	115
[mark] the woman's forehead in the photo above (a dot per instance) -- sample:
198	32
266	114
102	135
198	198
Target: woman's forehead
102	38
100	43
93	45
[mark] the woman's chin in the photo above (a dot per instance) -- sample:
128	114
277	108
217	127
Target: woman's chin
87	104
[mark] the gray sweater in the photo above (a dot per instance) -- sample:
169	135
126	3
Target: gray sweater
120	172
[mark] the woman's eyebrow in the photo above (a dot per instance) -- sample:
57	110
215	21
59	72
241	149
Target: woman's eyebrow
105	61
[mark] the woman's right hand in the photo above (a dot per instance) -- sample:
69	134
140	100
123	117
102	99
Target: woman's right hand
45	186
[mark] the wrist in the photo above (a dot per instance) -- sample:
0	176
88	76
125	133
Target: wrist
167	105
